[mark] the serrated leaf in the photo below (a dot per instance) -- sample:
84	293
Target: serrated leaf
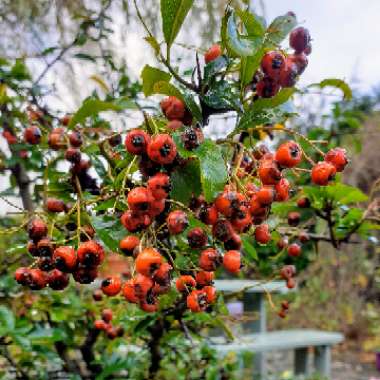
92	107
345	194
186	182
242	46
150	76
213	169
109	230
253	118
337	83
280	98
280	28
173	13
168	89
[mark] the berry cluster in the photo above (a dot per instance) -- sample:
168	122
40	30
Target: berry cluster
105	324
280	70
54	264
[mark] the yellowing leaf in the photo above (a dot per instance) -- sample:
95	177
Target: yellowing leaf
100	82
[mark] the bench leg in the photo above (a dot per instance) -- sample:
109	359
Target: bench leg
300	361
259	366
322	360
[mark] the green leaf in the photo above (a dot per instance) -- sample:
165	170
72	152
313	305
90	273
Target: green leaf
168	89
253	118
7	321
345	194
249	66
150	76
242	46
279	29
186	181
248	248
109	230
213	169
214	67
337	83
173	13
191	104
222	96
85	57
280	98
254	24
154	44
92	107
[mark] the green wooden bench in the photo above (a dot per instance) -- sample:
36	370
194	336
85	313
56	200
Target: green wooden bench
257	339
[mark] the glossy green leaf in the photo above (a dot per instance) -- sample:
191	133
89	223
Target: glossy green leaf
214	67
165	88
249	66
254	24
92	107
186	182
213	169
109	230
241	45
150	76
337	83
279	29
281	97
173	13
192	105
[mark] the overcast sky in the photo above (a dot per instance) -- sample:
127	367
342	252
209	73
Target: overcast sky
345	36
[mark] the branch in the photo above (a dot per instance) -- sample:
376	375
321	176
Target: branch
87	351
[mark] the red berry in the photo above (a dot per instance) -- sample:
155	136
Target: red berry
229	202
37	279
99	324
177	222
289	74
148	261
291	283
242	219
210	293
269	172
299	60
159	185
58	280
32	249
75	139
299	39
197	238
192	137
73	155
139	199
45	247
303	202
294	250
338	158
289	154
65	258
213	53
266	195
232	261
272	63
129	291
32	135
282	190
287	272
90	253
209	259
97	295
128	244
134	222
55	205
162	149
197	301
262	234
322	173
111	286
157	207
204	278
136	141
185	283
142	285
22	275
162	275
208	214
223	230
256	208
149	307
233	243
294	218
267	88
85	275
37	229
107	315
282	243
173	108
303	237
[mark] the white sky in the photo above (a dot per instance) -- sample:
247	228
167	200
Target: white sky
345	37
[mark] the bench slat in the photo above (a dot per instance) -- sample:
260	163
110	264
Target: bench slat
279	340
251	286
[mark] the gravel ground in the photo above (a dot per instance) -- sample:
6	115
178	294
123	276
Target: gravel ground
345	366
